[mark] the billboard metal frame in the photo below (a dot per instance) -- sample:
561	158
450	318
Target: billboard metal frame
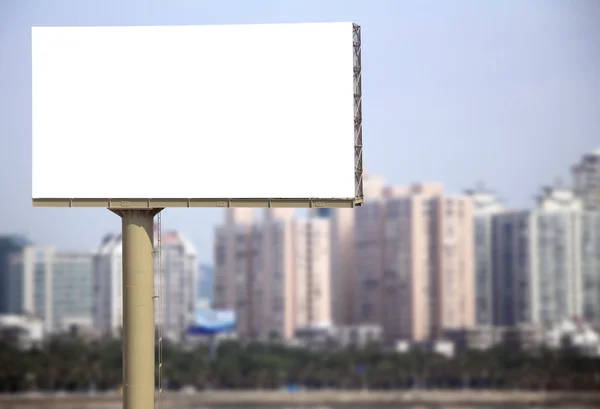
136	203
358	149
153	203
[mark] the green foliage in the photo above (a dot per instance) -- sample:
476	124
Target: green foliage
68	363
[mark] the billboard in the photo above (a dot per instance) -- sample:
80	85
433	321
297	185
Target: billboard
197	116
213	322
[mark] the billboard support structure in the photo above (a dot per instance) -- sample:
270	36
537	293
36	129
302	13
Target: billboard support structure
56	53
358	148
138	307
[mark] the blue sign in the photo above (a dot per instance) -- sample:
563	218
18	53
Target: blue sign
293	388
324	213
213	322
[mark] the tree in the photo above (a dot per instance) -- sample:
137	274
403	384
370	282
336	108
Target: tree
68	362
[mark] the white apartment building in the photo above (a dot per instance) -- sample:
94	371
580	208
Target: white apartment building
545	263
178	284
586	178
108	285
485	206
179	289
590	266
54	286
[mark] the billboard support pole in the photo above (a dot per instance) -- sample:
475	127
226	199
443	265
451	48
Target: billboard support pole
138	307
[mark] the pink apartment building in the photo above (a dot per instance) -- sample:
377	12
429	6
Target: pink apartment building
414	262
275	272
342	266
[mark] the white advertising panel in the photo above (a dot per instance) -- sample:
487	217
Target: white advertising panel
180	112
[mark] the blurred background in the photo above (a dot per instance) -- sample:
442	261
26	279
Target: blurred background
474	263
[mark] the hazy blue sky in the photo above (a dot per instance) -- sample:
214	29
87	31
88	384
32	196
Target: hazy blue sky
507	92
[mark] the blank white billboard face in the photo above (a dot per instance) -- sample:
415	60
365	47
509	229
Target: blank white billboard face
248	111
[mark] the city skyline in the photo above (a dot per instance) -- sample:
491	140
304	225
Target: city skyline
453	93
440	262
420	262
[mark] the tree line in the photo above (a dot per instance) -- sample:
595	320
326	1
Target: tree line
71	364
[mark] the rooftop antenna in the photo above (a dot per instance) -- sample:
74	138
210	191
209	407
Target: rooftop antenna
110	164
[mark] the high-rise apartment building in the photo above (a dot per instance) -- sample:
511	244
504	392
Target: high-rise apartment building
342	280
414	261
8	245
485	206
312	245
586	178
343	261
545	262
55	286
513	261
590	266
107	295
230	259
368	253
273	272
29	284
557	241
179	289
72	286
178	259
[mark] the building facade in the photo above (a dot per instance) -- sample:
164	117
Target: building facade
485	206
179	289
414	260
274	272
230	245
342	280
53	286
72	288
590	266
546	265
8	245
586	178
107	292
312	245
513	259
178	282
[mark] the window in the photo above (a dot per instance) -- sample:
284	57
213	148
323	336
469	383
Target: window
507	231
394	209
449	208
366	314
220	255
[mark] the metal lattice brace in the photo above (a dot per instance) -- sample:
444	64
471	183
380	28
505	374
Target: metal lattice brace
159	308
358	146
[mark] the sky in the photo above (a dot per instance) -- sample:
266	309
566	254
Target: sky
503	92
